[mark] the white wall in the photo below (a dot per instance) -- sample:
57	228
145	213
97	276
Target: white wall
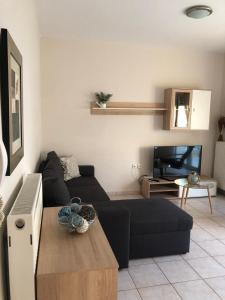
20	18
73	70
223	98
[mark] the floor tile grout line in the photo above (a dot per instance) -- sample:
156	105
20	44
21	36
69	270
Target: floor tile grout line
148	286
143	287
134	289
204	280
142	264
213	277
167	278
205	229
139	294
212	256
170	281
167	260
165	284
173	284
195	209
124	290
202	198
192	281
173	261
131	278
163	272
183	256
198	211
182	280
212	287
209	253
200	278
205	205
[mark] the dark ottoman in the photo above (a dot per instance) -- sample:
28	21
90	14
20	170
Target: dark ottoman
157	228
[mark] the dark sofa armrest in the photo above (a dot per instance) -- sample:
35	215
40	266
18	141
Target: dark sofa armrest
87	170
115	222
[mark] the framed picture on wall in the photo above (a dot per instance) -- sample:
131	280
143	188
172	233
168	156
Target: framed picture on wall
11	84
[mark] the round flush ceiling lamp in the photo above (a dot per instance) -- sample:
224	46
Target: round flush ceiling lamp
198	11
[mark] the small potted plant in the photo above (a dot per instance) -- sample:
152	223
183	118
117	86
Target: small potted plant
102	99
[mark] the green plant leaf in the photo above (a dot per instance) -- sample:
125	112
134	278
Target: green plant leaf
102	97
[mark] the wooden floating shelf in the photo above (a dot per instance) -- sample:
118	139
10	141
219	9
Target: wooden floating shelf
128	108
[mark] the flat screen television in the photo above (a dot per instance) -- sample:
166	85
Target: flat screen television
171	162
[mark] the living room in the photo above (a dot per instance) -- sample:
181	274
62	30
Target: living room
72	50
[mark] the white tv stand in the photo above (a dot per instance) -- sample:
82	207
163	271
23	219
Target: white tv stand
169	190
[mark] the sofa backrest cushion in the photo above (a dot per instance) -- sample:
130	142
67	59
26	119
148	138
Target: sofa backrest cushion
55	191
53	157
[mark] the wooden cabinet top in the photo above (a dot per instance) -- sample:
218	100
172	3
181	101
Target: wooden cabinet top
63	252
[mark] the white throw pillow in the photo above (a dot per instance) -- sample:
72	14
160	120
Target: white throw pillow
70	166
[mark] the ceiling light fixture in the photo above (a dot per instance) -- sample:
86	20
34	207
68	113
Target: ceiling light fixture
198	11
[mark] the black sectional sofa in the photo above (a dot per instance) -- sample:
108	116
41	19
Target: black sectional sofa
135	228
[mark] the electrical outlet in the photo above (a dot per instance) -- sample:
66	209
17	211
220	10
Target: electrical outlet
136	166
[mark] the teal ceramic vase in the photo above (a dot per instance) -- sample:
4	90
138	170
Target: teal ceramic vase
193	178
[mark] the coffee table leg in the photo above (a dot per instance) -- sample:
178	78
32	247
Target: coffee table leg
210	201
182	199
186	195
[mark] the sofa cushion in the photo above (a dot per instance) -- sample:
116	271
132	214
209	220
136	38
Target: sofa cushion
53	157
70	167
55	192
87	188
82	181
156	216
153	216
87	170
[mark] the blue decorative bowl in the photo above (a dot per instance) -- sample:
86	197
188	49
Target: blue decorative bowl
76	217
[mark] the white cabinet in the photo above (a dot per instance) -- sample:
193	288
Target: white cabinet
219	165
187	109
200	109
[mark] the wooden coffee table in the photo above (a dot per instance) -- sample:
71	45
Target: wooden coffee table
74	266
186	186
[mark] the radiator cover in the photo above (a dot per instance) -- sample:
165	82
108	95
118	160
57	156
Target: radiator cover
23	230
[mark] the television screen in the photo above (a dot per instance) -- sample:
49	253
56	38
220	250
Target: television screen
176	161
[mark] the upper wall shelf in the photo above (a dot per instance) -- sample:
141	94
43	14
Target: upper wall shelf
128	108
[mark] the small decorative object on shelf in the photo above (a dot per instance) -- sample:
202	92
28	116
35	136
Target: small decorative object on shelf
76	217
102	99
221	126
193	178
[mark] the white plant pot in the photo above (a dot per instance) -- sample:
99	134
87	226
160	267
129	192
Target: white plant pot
101	105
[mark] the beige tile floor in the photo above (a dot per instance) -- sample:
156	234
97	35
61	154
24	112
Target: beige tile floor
197	275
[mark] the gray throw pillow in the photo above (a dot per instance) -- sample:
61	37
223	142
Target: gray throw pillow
70	166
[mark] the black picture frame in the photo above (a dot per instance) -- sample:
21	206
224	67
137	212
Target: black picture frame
11	85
